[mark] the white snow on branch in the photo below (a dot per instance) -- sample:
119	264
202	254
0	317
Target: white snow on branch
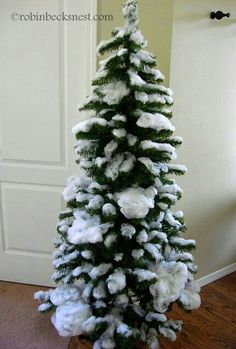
95	203
73	185
190	298
159	147
119	132
135	202
142	237
157	234
156	121
109	209
134	59
116	281
86	125
131	139
137	38
128	164
104	43
122	300
154	250
181	168
155	317
155	72
63	294
118	257
86	228
112	169
128	230
87	254
124	330
114	91
154	168
135	79
68	318
168	333
110	148
66	258
144	275
82	269
145	56
169	218
149	98
84	145
99	291
100	270
172	277
109	240
181	241
119	117
137	253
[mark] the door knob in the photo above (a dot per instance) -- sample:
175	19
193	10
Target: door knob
219	15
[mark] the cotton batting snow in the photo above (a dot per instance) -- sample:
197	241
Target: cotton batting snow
100	270
109	209
142	237
86	228
63	294
137	253
95	203
128	164
145	56
171	280
156	121
154	250
169	218
135	202
159	147
144	275
112	169
155	317
124	330
190	296
114	91
86	125
110	148
135	79
190	299
119	132
68	318
137	38
128	230
168	333
131	139
73	184
116	281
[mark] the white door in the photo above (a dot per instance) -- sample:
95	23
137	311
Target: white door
45	68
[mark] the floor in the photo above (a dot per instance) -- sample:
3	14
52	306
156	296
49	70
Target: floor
21	326
213	326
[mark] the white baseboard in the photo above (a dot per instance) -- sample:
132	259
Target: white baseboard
217	275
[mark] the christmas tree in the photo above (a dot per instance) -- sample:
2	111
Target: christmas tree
121	260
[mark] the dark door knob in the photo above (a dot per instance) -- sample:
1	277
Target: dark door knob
219	15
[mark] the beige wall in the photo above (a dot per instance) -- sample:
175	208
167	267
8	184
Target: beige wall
202	65
203	76
155	23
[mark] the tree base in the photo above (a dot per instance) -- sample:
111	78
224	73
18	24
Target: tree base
82	343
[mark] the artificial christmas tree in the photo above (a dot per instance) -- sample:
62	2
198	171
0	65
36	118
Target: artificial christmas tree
121	259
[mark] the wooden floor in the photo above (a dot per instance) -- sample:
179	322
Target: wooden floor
213	326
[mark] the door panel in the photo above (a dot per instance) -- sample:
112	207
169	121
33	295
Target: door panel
45	71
